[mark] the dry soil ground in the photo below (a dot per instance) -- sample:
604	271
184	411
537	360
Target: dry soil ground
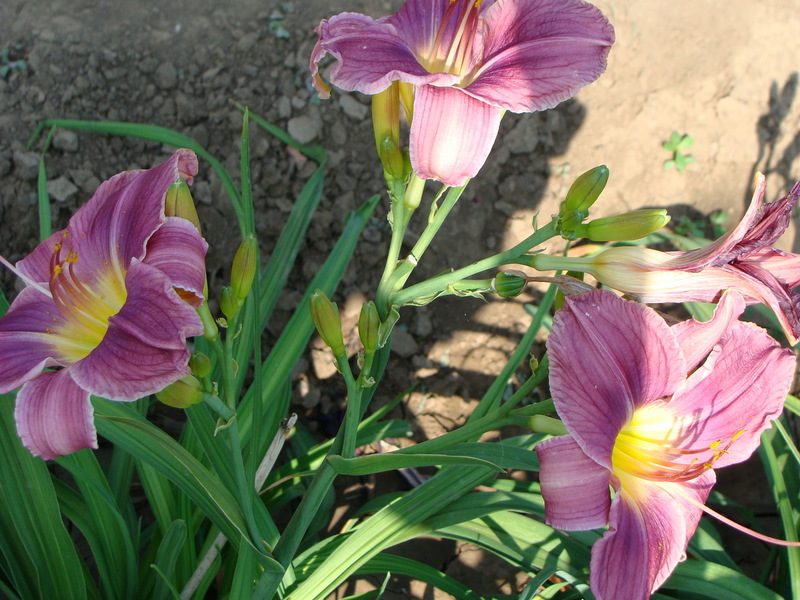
725	73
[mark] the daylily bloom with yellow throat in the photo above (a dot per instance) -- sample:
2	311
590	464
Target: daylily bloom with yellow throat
109	303
469	60
651	411
743	259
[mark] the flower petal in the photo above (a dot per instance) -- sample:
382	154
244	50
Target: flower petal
26	347
574	487
728	402
115	224
785	266
538	53
178	251
54	416
144	349
698	338
608	357
451	134
648	533
369	56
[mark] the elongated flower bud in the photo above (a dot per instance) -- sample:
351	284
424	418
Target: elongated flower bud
200	364
386	126
585	190
181	394
581	195
509	285
179	203
228	303
327	321
369	327
244	267
632	225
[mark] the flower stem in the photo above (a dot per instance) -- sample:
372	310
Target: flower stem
441	282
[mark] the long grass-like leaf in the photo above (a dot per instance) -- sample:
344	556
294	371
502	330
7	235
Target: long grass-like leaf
400	565
713	581
277	368
153	133
168	552
38	555
113	549
776	459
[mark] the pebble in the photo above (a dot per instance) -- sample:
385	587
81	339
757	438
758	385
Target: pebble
304	129
166	76
353	108
247	41
86	181
403	343
65	140
61	189
26	165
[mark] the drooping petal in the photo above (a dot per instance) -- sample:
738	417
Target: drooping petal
697	338
628	357
26	345
538	53
369	56
784	266
178	251
451	134
114	226
649	529
144	349
54	416
574	487
728	402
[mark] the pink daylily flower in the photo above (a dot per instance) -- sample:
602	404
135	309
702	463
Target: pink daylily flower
743	259
470	60
101	313
651	411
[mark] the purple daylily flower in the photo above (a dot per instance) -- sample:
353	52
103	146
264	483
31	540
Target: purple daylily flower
469	60
651	410
107	309
743	259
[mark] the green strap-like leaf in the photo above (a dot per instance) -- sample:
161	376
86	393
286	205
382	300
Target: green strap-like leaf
710	580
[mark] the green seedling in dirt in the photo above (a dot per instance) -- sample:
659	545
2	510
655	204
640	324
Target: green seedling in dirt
713	223
677	144
8	66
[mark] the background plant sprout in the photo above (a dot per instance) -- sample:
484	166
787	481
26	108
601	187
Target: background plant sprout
676	144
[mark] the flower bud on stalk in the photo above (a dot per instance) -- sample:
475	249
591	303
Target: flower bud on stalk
327	321
368	327
181	394
386	126
228	303
200	364
179	203
509	284
243	270
582	194
632	225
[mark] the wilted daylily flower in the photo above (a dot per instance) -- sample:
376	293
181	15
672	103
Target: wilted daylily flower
743	259
469	60
106	311
651	411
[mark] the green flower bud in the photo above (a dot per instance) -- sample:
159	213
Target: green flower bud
327	321
244	267
585	190
391	158
179	203
200	364
632	225
181	394
369	324
509	284
228	302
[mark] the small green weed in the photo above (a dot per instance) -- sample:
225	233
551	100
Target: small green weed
676	144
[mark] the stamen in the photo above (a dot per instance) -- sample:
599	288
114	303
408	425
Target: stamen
28	281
